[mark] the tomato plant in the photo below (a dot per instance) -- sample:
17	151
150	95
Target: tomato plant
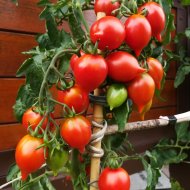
101	29
91	68
122	66
75	97
113	179
106	6
29	156
138	33
114	61
76	131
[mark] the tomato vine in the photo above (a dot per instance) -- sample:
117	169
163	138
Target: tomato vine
49	67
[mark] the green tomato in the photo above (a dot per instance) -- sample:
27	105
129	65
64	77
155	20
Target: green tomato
57	160
116	95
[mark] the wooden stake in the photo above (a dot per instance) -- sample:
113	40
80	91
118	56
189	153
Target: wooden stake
97	117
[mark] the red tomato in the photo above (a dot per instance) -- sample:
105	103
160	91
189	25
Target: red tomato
32	118
138	33
106	6
141	90
28	157
156	18
75	97
108	31
122	66
114	179
90	71
156	71
74	59
76	131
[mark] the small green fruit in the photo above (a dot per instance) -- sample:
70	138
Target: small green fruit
116	95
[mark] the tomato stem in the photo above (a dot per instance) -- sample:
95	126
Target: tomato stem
78	5
70	114
51	66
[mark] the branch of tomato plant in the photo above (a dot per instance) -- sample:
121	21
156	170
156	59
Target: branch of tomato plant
51	66
70	112
75	169
46	173
78	6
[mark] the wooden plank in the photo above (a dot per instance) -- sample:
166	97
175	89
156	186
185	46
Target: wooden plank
12	44
24	17
9	88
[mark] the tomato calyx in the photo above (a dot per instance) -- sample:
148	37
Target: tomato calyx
112	160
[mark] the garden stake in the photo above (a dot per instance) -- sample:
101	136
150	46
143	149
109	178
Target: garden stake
97	117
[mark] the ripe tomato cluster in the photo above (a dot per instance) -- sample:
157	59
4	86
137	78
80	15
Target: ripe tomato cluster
136	77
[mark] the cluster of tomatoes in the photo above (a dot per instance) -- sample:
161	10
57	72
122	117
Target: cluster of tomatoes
129	79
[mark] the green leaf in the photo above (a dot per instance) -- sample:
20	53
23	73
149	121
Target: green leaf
52	31
44	41
117	139
64	64
169	28
182	71
121	114
75	26
175	185
34	77
153	175
45	181
12	172
43	3
182	131
185	2
23	68
187	31
25	99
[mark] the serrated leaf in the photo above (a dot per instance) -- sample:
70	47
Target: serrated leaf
34	77
52	31
44	41
25	99
169	28
117	139
182	131
23	68
64	64
45	181
65	39
175	185
12	172
182	71
75	26
121	114
43	3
